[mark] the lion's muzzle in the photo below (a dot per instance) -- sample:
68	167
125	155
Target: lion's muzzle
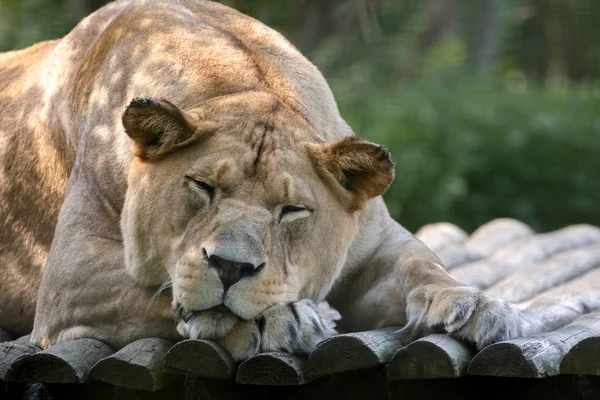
232	261
235	255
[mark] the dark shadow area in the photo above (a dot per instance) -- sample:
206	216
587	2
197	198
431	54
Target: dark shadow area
368	384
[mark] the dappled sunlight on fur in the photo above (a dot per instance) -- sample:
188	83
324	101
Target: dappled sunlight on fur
189	147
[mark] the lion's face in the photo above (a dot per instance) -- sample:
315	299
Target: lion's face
242	206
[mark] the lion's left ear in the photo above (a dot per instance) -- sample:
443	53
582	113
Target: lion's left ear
157	127
362	169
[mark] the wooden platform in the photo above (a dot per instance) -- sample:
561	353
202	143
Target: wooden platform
504	257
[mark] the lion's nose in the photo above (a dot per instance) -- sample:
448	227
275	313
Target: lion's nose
230	271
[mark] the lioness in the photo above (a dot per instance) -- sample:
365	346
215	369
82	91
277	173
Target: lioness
181	144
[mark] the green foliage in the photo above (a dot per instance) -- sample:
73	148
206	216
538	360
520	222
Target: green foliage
490	107
467	154
23	23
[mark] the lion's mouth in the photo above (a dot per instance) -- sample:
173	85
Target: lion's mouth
188	315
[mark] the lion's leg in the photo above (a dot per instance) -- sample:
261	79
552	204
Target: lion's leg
405	284
435	300
85	290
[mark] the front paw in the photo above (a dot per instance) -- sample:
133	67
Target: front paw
292	327
208	325
465	313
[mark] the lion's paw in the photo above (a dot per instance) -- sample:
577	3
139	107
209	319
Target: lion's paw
465	313
209	325
292	327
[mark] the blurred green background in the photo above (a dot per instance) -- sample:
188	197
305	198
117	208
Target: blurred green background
491	108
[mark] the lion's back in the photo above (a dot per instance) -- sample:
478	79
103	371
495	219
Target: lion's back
37	153
30	192
50	95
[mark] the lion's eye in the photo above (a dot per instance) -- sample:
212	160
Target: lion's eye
293	212
291	209
203	187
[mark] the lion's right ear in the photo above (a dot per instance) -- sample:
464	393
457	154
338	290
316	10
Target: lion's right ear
158	127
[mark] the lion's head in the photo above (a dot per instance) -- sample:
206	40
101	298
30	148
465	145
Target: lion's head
241	204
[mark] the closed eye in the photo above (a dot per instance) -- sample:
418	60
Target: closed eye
202	187
291	213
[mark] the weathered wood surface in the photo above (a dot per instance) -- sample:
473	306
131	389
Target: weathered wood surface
561	305
583	358
524	252
496	234
454	248
554	276
201	358
534	357
68	362
484	241
541	355
12	351
438	235
354	351
539	277
432	357
272	369
139	365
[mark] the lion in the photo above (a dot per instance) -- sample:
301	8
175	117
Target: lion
178	169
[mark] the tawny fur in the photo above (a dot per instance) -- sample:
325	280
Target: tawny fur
244	113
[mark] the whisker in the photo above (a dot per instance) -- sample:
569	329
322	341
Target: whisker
178	312
167	284
293	287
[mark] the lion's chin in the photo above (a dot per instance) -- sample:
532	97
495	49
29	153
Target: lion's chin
189	315
211	324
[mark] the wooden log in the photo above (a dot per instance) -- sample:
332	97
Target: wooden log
439	234
139	365
432	357
446	241
454	248
534	357
352	351
25	341
67	362
201	358
272	369
538	277
524	252
561	305
12	351
583	358
496	234
487	239
454	254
